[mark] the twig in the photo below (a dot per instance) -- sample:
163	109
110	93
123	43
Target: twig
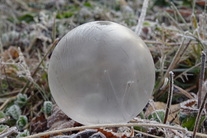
174	62
179	14
173	20
9	132
187	70
169	44
184	92
142	17
15	92
169	99
54	28
41	91
115	125
193	11
48	52
193	37
201	78
191	88
28	84
151	102
200	111
6	102
177	56
1	59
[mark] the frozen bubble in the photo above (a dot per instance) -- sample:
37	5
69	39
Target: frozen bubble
101	72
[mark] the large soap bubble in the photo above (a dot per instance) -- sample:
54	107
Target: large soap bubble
101	72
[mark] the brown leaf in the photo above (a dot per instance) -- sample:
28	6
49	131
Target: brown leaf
12	52
160	105
156	106
190	103
201	2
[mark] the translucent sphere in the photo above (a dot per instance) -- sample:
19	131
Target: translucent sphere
101	72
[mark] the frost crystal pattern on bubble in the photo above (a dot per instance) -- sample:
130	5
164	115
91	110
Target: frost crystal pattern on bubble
101	72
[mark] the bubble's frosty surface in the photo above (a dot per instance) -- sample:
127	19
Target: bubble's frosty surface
101	72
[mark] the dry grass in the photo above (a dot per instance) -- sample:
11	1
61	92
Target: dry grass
175	35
